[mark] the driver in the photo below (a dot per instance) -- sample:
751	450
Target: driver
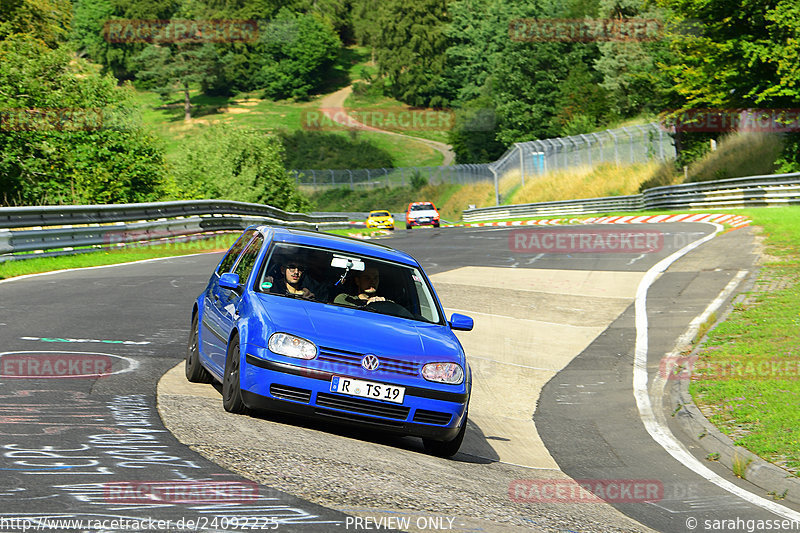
365	289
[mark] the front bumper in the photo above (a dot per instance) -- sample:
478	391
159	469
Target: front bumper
423	222
380	225
274	386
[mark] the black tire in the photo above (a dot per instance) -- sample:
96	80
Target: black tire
231	388
194	370
391	229
447	448
435	224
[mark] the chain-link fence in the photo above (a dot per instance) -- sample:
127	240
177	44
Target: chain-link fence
621	146
391	177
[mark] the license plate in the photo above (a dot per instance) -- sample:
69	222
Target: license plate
367	389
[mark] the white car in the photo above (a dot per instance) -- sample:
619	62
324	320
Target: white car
422	214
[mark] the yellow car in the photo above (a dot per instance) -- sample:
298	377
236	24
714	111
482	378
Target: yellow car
380	219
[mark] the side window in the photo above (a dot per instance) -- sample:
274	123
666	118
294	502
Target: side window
248	260
230	258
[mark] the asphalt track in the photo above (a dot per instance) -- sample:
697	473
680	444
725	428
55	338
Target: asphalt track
89	448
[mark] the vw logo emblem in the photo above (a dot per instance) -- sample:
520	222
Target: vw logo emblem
370	362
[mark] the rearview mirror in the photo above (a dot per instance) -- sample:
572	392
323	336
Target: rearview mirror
350	263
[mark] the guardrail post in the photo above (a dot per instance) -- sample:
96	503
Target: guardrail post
521	163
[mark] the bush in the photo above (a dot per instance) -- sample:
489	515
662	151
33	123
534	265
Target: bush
418	181
97	152
738	155
237	164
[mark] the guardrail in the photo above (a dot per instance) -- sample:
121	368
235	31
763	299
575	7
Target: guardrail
67	227
754	191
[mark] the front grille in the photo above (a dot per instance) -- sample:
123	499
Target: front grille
286	392
350	360
431	417
367	407
352	417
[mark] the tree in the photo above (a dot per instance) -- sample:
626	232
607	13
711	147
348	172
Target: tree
223	162
631	75
299	50
410	49
736	53
366	15
167	68
45	20
68	134
733	54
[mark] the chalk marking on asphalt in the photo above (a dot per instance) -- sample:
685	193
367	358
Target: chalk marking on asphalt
68	339
660	433
513	364
471	312
133	364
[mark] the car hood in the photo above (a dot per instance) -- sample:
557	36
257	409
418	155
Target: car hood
355	330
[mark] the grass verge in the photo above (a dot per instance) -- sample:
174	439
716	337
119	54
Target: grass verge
36	265
747	375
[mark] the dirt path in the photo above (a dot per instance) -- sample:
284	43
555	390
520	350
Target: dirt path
332	106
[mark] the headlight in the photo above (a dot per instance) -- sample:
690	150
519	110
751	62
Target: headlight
443	373
291	346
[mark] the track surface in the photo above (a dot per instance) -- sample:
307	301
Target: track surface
65	440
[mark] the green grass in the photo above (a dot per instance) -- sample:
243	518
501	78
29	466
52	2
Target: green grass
391	109
748	372
250	110
35	265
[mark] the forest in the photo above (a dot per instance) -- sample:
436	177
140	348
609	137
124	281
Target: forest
70	131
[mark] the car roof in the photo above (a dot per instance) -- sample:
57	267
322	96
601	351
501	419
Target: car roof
379	211
338	242
421	203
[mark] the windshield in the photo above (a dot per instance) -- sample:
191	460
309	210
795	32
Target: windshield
348	280
423	207
379	214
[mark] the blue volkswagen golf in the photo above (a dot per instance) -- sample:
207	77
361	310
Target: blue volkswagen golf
332	328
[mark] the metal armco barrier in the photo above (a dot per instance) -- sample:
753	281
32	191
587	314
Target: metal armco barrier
67	227
754	191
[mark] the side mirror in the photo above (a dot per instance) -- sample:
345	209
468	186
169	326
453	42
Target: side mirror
461	322
229	280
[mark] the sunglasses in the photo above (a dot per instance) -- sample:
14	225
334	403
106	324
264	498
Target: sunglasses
295	266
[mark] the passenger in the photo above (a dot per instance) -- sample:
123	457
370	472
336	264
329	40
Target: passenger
293	281
364	289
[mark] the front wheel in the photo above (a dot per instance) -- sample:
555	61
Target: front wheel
408	226
447	448
231	388
194	370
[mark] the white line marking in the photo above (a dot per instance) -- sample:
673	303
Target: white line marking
660	433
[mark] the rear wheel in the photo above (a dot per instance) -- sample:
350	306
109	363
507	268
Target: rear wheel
231	388
446	448
194	370
408	226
